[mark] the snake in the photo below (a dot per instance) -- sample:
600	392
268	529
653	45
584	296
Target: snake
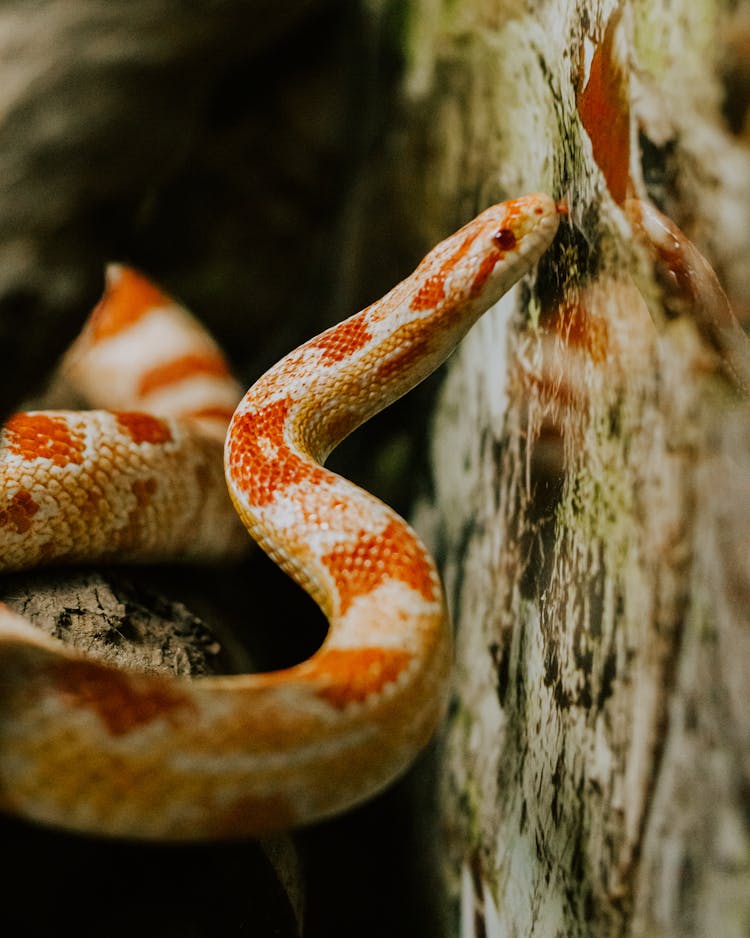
139	476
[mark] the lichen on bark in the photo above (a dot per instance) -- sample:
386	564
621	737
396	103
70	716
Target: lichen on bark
594	762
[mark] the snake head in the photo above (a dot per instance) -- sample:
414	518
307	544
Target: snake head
487	256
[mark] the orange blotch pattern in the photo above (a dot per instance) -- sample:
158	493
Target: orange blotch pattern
19	511
416	344
212	413
143	428
485	269
116	697
39	436
604	108
361	565
260	459
125	301
342	341
356	674
181	368
431	292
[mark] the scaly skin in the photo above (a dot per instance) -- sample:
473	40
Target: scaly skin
89	747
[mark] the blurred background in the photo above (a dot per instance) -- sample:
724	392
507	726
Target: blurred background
238	153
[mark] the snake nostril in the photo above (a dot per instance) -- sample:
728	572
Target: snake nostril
504	239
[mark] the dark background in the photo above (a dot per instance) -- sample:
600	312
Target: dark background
242	155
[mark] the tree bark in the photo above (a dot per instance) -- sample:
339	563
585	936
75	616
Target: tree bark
591	474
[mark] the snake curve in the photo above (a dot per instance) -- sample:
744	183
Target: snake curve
102	750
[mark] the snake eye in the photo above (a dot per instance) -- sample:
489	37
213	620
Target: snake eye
504	239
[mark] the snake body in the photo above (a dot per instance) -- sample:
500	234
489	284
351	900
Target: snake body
97	749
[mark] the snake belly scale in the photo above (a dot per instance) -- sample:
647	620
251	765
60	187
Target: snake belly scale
93	748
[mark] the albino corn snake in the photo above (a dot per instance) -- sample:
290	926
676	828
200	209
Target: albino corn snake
96	749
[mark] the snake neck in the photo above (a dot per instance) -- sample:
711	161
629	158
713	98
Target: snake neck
332	384
307	518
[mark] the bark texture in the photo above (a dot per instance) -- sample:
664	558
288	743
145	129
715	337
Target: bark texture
591	476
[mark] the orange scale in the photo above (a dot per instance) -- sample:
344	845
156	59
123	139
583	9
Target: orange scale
128	297
343	341
433	290
259	475
414	348
19	512
116	698
143	428
392	554
356	674
180	369
39	436
430	293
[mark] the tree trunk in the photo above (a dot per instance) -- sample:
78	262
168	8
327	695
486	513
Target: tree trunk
590	458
